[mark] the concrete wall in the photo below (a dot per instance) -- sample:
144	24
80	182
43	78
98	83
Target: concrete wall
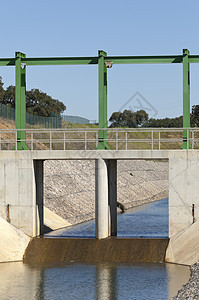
13	242
20	191
183	190
183	208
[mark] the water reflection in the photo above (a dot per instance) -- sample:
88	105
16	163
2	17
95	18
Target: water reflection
18	281
106	282
86	281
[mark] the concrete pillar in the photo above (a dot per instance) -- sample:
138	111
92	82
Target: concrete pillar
39	179
101	200
112	196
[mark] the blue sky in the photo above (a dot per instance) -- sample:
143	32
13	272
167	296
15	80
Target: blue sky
46	28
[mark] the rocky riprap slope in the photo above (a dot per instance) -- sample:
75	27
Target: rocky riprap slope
191	289
69	186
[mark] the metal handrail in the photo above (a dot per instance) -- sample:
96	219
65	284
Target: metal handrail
88	137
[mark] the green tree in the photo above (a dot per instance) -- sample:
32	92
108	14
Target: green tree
37	102
1	90
141	117
195	115
9	96
115	119
128	118
166	122
41	104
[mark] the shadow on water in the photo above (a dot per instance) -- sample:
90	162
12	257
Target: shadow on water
147	221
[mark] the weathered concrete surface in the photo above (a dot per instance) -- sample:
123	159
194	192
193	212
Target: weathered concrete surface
42	250
183	190
20	188
184	247
53	221
13	242
101	200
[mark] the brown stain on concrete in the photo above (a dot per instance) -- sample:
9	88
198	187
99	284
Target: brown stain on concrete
123	250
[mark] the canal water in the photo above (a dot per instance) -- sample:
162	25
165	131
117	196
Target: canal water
60	281
148	220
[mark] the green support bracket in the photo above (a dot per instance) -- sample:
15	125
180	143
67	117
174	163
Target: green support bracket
186	100
102	77
20	101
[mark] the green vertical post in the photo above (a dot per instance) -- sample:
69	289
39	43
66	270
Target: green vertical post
186	99
20	101
102	77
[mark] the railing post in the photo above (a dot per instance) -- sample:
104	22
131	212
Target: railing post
64	141
16	140
159	140
31	140
96	137
192	134
50	140
126	140
116	140
151	139
85	138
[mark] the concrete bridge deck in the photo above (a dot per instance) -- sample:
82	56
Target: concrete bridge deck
97	154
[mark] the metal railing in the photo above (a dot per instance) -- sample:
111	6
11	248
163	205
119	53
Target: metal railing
88	138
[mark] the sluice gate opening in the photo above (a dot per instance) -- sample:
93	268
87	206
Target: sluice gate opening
71	190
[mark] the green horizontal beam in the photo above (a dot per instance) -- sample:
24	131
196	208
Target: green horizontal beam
113	59
61	61
193	58
94	60
145	59
7	61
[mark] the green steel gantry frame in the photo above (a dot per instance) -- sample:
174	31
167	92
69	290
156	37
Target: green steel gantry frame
21	62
